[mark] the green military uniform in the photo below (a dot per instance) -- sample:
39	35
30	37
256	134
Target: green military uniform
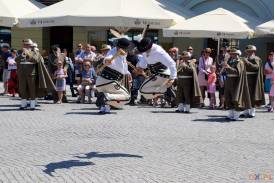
236	87
27	73
33	78
188	91
254	68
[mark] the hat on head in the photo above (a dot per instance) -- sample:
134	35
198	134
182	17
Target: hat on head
145	44
123	43
13	50
190	48
105	47
185	54
250	48
5	45
233	51
35	45
27	41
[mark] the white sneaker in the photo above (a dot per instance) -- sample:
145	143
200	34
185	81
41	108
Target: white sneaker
236	115
180	108
107	109
230	115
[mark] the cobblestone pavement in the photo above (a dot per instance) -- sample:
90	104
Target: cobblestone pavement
71	143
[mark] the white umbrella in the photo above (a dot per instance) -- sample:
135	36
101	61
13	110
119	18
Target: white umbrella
11	10
219	23
103	13
265	29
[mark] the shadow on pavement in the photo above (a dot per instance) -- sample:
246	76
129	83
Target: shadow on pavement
107	155
216	119
83	109
51	167
171	112
87	113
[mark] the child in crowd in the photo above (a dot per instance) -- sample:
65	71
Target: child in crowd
60	74
212	78
12	68
87	87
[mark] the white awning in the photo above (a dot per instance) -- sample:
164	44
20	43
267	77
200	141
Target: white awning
11	10
219	23
102	13
265	29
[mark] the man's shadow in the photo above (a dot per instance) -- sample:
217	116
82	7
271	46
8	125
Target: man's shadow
52	167
216	119
107	155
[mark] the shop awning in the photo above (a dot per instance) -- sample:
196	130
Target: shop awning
101	13
11	10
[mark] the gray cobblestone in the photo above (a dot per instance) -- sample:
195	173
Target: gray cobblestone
70	143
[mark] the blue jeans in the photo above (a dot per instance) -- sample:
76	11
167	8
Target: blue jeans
137	82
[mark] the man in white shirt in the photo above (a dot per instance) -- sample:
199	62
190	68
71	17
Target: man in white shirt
160	64
109	81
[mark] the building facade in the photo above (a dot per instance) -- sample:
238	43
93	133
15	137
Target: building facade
69	37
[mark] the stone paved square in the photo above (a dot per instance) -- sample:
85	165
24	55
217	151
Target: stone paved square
71	143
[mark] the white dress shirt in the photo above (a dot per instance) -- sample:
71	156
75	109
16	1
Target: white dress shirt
119	63
158	54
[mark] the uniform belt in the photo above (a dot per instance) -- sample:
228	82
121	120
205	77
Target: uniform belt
232	75
27	63
249	73
184	77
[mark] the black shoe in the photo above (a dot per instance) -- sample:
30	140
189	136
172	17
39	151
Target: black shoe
187	112
178	111
101	112
245	116
22	108
74	95
32	109
250	116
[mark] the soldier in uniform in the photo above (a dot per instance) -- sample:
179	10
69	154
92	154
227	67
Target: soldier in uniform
109	80
254	71
188	89
236	87
33	79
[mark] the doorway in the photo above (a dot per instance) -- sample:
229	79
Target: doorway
213	44
62	36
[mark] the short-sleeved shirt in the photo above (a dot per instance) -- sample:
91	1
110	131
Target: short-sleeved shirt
119	63
11	64
91	74
158	54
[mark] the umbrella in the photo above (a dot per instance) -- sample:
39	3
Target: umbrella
265	29
11	10
102	13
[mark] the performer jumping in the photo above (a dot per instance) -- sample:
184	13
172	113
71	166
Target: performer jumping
161	66
109	81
